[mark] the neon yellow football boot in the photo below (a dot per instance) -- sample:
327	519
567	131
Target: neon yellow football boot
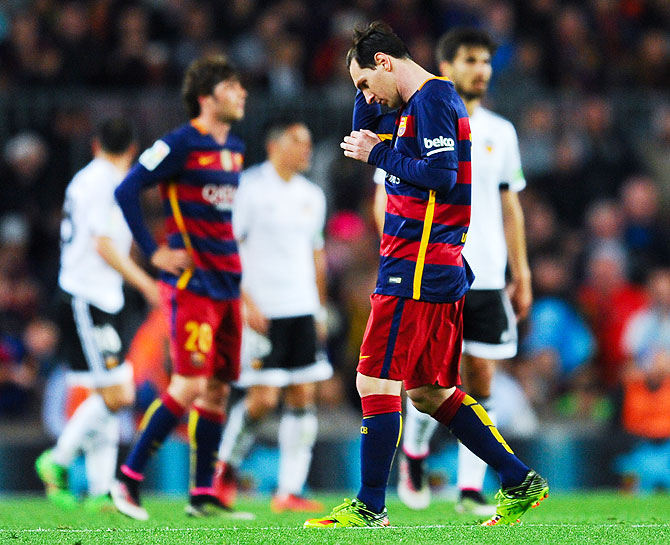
351	513
514	501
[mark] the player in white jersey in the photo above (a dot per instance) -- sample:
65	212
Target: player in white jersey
278	217
496	236
95	246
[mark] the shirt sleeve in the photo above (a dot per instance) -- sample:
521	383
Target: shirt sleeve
512	175
320	223
436	126
162	161
242	212
379	177
101	210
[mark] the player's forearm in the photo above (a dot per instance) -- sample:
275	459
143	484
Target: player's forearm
515	236
131	272
379	208
417	172
321	275
128	197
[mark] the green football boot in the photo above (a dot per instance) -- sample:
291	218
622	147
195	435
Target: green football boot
99	504
514	501
351	513
54	477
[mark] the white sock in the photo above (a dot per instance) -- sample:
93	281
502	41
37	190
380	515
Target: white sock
471	469
83	423
101	453
418	429
238	436
297	435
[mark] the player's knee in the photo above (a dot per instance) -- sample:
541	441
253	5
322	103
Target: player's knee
478	375
428	399
184	390
259	406
300	396
216	393
422	404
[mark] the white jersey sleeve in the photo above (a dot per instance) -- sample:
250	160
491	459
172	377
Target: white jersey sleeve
320	223
101	208
512	173
242	207
379	176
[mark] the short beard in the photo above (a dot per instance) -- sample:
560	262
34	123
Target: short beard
467	97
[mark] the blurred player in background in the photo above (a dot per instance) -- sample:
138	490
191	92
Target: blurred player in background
496	232
197	167
278	218
95	246
415	330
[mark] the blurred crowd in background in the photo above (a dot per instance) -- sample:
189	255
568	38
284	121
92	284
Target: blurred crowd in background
586	84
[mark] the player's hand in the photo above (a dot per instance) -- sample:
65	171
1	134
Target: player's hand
521	296
174	261
255	319
359	144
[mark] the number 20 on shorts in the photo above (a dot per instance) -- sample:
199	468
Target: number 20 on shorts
199	337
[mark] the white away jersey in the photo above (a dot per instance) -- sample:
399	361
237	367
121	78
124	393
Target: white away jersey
279	225
90	211
495	161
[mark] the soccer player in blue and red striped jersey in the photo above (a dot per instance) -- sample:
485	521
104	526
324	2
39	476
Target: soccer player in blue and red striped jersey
415	330
197	168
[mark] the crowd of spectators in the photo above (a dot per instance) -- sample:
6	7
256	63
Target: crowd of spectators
285	45
585	84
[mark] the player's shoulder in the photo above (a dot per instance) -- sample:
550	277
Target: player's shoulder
252	175
437	85
183	132
235	143
441	93
97	176
438	89
495	120
310	187
178	139
176	144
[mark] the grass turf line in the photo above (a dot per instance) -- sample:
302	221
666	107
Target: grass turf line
607	518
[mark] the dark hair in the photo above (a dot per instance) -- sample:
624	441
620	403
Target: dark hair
115	135
278	125
201	77
377	37
448	44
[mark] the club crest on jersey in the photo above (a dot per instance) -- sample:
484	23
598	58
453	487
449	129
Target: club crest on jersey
111	362
402	127
257	364
231	161
406	126
220	196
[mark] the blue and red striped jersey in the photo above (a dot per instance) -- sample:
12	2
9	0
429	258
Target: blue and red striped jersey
198	178
428	187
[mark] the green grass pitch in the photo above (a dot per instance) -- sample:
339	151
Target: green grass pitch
583	518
